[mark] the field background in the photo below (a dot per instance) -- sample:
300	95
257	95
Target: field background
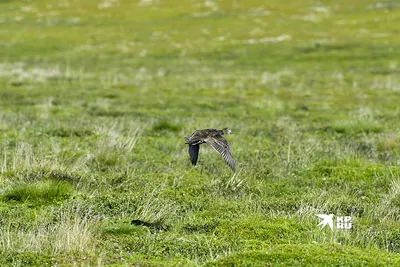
96	97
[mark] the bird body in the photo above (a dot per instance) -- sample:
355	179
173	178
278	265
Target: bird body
214	138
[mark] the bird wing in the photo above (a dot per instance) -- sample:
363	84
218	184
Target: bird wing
222	147
194	153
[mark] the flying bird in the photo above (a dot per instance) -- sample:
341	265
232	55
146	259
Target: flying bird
214	138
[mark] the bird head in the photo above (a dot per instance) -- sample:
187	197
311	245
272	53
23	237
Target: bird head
227	131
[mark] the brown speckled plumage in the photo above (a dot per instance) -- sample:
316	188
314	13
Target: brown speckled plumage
214	138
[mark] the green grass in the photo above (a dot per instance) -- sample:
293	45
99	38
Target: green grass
306	255
96	98
41	191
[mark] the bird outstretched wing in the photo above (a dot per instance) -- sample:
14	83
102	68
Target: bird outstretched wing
194	153
222	147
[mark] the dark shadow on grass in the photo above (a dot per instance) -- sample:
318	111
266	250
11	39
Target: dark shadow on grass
64	177
152	226
164	125
64	132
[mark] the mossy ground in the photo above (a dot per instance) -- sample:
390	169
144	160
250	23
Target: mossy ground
96	97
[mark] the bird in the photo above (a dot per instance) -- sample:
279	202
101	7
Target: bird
215	139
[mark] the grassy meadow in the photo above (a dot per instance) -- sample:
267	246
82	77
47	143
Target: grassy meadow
96	97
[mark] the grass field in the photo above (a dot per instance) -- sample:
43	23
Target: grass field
96	97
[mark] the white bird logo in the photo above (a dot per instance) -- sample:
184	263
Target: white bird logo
327	220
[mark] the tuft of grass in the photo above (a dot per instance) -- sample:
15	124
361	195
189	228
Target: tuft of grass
46	191
71	232
388	142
